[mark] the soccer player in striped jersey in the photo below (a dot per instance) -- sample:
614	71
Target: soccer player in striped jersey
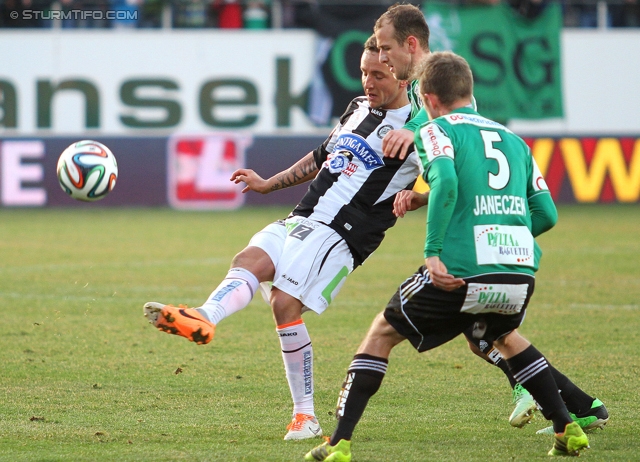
336	226
402	35
480	260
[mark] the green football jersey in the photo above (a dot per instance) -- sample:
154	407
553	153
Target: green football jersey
419	115
485	185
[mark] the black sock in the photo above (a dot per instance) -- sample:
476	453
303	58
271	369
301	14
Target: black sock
505	368
494	356
363	380
577	401
531	369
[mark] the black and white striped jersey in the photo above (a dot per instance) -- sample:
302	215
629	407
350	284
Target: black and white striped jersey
354	190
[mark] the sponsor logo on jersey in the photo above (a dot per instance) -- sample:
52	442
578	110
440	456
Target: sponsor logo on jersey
382	131
377	112
350	170
336	162
473	119
504	245
538	181
436	143
359	147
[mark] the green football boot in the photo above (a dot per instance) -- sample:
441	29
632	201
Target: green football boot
596	417
570	442
341	452
525	407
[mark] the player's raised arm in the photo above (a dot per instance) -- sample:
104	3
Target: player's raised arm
302	171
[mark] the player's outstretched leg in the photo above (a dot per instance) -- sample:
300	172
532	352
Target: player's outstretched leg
594	418
183	321
341	452
525	407
570	442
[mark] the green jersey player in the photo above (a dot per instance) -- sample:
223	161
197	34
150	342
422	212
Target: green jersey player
487	203
402	36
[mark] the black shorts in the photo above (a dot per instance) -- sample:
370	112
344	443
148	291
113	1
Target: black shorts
490	305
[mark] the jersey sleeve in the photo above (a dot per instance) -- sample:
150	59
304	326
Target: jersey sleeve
544	214
443	181
420	118
437	154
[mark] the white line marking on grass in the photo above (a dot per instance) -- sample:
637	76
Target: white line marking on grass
112	264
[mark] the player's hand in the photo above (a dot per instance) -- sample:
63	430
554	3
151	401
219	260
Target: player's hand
397	143
407	200
253	181
440	277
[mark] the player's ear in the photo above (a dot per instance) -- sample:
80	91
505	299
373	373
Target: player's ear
403	83
412	43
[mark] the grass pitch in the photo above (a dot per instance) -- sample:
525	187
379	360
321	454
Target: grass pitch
84	377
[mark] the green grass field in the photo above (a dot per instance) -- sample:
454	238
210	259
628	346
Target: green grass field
84	377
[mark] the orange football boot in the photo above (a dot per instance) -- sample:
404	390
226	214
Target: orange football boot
183	321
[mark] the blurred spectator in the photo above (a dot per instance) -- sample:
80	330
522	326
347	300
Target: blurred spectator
255	15
151	13
529	9
229	13
126	13
626	14
190	13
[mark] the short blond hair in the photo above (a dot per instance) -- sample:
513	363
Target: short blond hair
447	75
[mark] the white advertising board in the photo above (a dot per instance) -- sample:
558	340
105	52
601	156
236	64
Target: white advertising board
154	82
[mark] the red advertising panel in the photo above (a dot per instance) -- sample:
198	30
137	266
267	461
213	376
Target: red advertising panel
199	168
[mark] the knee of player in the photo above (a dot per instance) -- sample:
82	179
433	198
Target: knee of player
256	261
286	309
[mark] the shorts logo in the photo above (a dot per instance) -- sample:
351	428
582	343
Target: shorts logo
300	232
288	279
495	298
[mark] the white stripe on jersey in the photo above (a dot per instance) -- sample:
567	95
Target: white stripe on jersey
348	185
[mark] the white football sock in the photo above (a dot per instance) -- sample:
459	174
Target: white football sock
297	354
232	294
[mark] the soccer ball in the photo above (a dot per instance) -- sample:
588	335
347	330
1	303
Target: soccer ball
87	170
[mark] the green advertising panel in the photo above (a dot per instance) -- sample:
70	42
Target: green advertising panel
515	61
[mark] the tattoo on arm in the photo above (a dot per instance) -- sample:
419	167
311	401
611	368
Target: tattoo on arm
295	175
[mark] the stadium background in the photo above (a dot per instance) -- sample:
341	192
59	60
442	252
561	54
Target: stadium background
182	108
